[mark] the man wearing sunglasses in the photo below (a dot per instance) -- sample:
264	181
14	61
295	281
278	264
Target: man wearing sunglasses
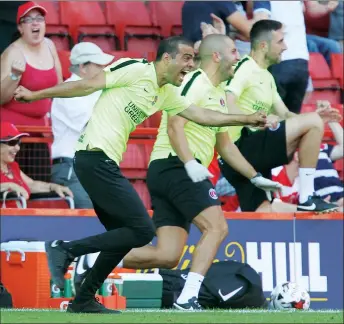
12	178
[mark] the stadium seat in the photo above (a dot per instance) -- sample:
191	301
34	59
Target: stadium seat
318	67
134	26
152	121
135	163
168	16
65	63
50	200
339	166
9	199
337	67
141	188
325	86
55	30
131	54
86	22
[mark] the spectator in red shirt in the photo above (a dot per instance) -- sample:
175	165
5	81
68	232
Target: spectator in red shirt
11	177
31	61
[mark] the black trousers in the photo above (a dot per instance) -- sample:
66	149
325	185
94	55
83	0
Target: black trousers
119	209
291	77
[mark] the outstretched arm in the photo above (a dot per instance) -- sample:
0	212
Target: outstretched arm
63	90
209	117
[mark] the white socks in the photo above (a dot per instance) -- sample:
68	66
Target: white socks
191	288
306	176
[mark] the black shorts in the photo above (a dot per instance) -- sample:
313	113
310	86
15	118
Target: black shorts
115	200
176	200
265	150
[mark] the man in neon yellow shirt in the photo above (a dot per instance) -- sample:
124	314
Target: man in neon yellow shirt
180	195
253	89
132	91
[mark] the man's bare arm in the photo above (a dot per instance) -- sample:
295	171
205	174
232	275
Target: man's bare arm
232	156
207	117
178	140
64	90
281	110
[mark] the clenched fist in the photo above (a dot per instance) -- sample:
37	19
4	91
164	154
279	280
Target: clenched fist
257	119
18	67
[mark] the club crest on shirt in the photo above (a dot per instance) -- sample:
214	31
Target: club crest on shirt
212	194
222	102
155	99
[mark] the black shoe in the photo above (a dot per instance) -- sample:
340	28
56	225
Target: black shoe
59	260
317	205
191	305
90	306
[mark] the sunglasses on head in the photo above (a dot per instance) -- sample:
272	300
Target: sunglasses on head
13	142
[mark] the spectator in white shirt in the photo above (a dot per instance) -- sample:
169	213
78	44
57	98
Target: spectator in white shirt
70	115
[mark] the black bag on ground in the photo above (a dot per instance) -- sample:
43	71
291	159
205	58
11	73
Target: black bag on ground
5	297
228	284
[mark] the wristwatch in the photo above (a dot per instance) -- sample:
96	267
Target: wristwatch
14	77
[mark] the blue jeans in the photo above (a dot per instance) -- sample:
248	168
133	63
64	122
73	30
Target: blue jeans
64	174
323	45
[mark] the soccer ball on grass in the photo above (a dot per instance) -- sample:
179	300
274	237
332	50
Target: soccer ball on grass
289	295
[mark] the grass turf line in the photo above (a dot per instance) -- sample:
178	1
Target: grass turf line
143	316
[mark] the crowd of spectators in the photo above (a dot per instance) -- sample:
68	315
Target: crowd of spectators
30	59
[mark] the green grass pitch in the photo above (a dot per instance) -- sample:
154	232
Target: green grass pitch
162	316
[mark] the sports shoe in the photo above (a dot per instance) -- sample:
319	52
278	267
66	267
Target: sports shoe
59	260
80	270
191	305
90	306
316	204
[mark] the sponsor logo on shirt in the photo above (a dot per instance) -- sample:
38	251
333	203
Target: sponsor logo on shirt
81	138
135	113
260	105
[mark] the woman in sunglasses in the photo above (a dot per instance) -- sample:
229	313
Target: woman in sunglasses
31	61
12	178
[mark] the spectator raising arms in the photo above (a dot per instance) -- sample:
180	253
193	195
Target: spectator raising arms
12	178
30	61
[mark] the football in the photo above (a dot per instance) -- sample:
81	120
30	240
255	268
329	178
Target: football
289	295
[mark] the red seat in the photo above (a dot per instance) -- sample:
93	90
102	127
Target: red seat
135	163
134	26
130	54
55	30
318	67
153	121
325	86
339	166
87	23
337	67
141	188
65	63
332	96
168	16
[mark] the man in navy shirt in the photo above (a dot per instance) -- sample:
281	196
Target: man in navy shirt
195	12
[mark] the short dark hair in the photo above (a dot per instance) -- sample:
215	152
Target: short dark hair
262	29
170	45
